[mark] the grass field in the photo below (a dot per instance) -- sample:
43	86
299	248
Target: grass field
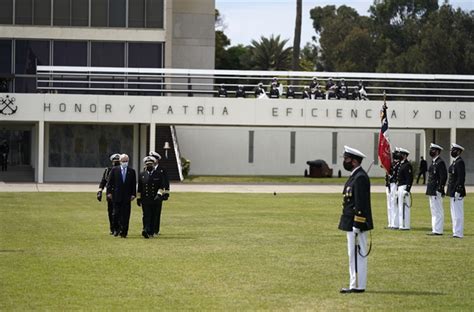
274	180
224	252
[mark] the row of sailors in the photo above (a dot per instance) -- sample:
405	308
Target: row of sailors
400	179
314	91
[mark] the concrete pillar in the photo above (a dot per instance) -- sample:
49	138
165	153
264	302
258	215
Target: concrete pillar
143	141
152	136
452	139
40	158
136	158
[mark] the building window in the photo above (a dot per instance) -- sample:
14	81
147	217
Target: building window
23	12
80	13
99	17
29	53
154	13
107	54
70	53
136	13
87	146
25	85
42	12
6	12
117	10
6	59
62	12
148	55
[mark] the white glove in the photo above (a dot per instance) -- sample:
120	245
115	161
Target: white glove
457	196
356	230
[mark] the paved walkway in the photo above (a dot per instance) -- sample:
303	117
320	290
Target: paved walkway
209	188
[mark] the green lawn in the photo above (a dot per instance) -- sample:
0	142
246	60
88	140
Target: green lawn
273	180
224	252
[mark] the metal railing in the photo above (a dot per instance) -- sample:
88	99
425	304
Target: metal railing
190	82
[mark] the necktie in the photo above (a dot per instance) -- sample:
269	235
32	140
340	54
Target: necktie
123	174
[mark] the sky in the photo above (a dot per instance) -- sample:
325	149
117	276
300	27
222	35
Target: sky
247	20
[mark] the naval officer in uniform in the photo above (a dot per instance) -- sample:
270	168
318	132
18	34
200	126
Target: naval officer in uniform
151	186
115	159
166	190
457	190
404	182
356	219
437	176
393	193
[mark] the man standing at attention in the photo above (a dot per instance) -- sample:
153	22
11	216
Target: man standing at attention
437	176
457	190
122	190
356	219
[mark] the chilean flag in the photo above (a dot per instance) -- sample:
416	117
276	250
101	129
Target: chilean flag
385	154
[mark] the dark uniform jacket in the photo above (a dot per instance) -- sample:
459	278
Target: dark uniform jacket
394	172
105	178
122	191
423	166
437	176
274	93
356	209
149	183
405	174
457	176
222	92
240	93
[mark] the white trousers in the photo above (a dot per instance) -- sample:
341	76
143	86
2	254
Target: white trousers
357	246
457	215
403	209
389	211
394	206
437	213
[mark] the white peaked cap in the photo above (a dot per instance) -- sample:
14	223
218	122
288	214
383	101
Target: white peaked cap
155	155
114	157
353	151
403	150
436	146
149	159
397	149
454	145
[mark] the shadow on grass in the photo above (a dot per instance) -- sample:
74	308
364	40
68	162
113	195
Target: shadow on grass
421	229
11	250
407	292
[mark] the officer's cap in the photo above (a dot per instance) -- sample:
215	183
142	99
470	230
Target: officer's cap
397	149
148	160
241	86
435	146
352	152
114	157
457	146
155	155
315	78
404	151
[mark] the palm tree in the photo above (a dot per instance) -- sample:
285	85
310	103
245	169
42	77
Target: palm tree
297	39
270	54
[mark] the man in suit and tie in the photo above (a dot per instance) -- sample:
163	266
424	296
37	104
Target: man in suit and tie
122	190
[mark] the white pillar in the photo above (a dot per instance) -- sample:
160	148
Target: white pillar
152	136
143	141
452	139
136	152
40	158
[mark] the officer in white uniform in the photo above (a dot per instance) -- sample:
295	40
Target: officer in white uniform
404	182
356	219
457	190
437	176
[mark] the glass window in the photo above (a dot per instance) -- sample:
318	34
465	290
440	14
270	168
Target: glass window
154	13
145	55
70	53
136	13
25	85
23	12
117	13
6	12
42	12
6	59
109	54
99	13
62	12
87	145
80	12
29	53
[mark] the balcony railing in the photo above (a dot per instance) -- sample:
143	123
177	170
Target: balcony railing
196	82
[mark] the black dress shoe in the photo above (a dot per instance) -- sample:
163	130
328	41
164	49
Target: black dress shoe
454	236
123	235
145	234
355	290
116	233
345	290
434	234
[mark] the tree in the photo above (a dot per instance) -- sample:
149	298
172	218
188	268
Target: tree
222	41
270	54
297	38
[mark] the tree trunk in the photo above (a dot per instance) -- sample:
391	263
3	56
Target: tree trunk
297	39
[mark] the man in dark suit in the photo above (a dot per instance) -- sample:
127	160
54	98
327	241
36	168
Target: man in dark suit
437	176
151	188
115	159
423	169
122	190
457	190
356	219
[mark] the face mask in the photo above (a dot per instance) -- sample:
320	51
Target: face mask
454	154
433	153
149	167
116	163
348	165
124	164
